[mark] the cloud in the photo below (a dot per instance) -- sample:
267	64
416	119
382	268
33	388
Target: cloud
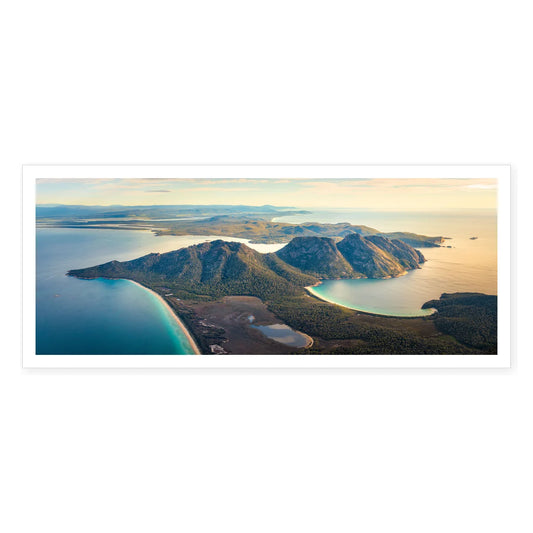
482	186
159	190
222	189
396	185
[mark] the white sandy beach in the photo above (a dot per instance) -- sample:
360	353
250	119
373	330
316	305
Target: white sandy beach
176	318
310	290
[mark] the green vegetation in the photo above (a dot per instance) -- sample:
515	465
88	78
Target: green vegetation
263	230
472	318
413	239
212	270
354	256
245	222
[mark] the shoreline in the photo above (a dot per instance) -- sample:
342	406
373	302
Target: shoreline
181	325
309	338
309	289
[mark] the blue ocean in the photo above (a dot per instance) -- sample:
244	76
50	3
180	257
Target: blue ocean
100	316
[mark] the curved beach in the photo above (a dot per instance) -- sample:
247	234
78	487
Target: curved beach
310	290
181	325
310	339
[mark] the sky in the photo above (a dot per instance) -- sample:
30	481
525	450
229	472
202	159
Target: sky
392	193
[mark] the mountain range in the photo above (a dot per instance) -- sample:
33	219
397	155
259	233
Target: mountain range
354	256
222	267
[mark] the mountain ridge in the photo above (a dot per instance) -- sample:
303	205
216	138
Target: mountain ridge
216	268
355	256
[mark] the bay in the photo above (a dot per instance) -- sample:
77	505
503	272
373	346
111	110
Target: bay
469	265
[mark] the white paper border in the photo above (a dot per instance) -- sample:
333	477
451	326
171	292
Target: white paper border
33	172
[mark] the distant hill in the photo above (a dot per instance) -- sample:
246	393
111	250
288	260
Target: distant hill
355	256
58	211
255	223
261	229
318	256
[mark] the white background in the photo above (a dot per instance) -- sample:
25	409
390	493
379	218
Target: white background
262	451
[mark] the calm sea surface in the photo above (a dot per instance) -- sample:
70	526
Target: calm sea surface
116	316
103	316
469	265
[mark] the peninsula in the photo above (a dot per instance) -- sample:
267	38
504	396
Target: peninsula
258	224
215	287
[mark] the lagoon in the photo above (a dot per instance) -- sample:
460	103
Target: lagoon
285	334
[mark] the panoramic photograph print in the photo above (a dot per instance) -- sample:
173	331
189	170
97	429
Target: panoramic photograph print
266	266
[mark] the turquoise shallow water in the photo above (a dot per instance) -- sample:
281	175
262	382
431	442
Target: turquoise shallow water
382	297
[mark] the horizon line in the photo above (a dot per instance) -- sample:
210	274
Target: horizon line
48	204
